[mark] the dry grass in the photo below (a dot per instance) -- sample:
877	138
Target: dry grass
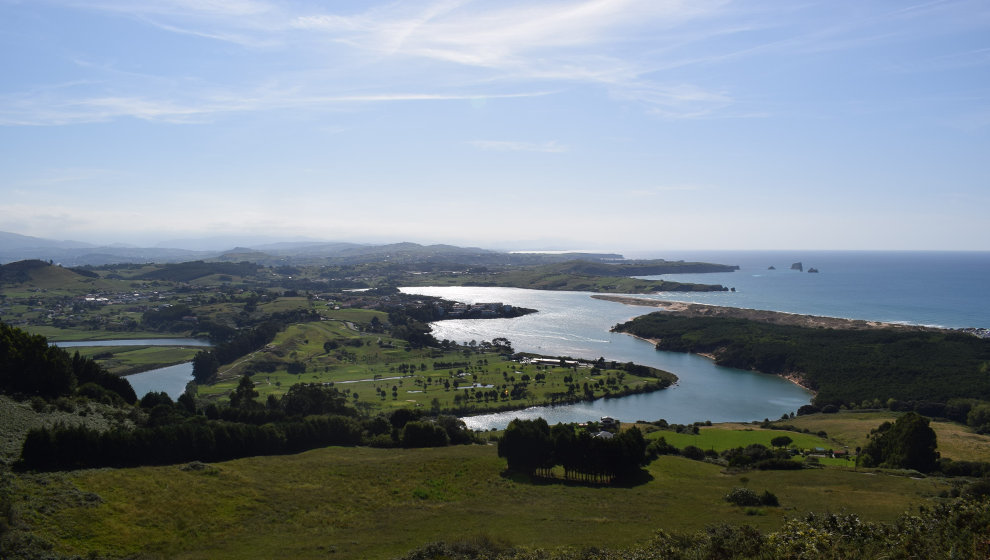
853	429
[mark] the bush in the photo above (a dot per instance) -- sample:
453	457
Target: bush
693	452
742	497
659	447
767	498
777	465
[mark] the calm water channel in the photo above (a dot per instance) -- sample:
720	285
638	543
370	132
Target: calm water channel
574	324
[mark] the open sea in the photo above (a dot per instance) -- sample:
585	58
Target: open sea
947	289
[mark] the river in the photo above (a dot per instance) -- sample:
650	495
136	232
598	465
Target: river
574	324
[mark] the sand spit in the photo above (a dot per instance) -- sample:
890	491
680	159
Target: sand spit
773	317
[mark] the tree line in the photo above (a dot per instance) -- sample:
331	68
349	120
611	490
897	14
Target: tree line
29	366
306	417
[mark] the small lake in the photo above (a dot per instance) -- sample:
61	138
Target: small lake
574	324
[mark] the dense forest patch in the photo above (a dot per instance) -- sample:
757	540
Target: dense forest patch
842	366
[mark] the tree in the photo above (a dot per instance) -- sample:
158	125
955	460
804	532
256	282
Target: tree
243	396
781	441
205	366
908	443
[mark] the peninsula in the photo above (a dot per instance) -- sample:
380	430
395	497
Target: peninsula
685	309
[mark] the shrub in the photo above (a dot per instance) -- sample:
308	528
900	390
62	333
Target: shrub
693	452
767	498
742	497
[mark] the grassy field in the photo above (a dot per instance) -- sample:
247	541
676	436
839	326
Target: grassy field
955	441
371	365
375	503
56	334
729	436
124	360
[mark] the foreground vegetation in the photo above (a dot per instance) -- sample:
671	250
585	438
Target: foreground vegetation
381	503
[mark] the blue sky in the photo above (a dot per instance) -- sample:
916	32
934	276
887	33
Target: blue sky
620	125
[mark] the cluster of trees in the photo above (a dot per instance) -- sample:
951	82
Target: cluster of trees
29	366
167	318
206	363
534	448
414	332
843	366
908	443
307	416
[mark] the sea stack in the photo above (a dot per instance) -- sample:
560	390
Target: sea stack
797	266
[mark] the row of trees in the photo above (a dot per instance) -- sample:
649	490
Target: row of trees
63	448
534	448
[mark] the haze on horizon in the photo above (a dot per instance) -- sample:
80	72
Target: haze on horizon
605	125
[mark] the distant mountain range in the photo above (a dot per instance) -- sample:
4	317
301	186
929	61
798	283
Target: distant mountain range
15	247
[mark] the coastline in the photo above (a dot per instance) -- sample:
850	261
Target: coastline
763	316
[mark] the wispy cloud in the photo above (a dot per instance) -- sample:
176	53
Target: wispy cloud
514	146
637	51
478	49
32	110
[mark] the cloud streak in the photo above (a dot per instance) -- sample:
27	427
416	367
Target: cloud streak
470	50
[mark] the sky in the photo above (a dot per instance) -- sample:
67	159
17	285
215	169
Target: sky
591	124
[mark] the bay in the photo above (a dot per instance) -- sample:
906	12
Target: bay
574	324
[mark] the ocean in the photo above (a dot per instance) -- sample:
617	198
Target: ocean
945	289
